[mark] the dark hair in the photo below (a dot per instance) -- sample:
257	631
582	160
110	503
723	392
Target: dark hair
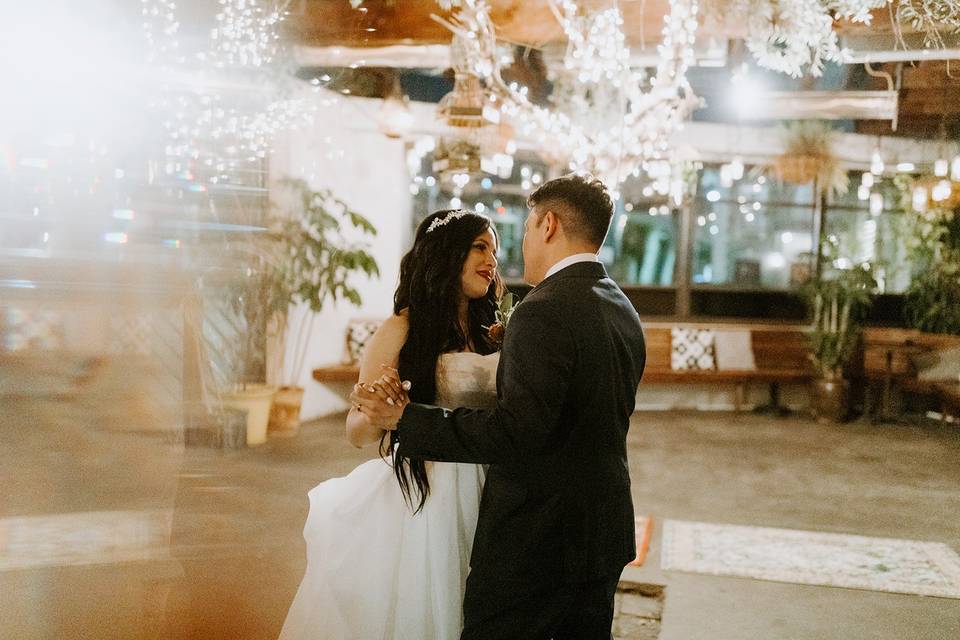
429	290
581	202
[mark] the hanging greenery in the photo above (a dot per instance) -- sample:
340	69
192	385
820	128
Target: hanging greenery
798	36
930	17
808	155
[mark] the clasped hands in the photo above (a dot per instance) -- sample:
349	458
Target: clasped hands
382	402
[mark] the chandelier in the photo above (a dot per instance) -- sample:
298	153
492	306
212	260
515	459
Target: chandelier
606	117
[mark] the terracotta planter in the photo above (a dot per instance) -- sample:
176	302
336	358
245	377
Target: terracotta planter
830	400
285	414
256	400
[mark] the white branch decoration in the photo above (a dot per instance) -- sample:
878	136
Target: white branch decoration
647	117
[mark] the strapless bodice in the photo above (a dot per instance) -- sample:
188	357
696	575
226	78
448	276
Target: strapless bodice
467	379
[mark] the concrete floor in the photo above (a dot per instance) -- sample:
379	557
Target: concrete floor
233	553
875	480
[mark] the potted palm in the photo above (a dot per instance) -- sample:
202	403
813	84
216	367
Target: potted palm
837	306
309	254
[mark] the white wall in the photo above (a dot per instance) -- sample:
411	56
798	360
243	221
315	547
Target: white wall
346	153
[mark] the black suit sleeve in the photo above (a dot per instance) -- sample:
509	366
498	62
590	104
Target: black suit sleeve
536	366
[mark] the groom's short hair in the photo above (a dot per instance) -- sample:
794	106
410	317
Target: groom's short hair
582	203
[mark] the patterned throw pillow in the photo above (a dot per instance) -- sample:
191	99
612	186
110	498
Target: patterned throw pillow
22	329
691	349
359	333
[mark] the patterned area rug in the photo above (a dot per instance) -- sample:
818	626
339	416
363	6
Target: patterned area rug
807	557
95	537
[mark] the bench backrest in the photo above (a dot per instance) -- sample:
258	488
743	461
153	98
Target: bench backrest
899	345
775	347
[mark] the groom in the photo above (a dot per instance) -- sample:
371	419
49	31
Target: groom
556	523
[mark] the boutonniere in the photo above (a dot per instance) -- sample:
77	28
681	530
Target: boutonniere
498	329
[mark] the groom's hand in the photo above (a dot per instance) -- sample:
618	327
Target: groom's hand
383	401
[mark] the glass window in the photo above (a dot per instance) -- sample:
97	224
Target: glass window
501	197
853	235
752	233
641	246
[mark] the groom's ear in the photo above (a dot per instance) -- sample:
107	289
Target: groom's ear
549	226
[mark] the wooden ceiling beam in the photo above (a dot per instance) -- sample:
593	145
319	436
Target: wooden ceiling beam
326	23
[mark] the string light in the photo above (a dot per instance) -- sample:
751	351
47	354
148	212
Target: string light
876	163
224	105
941	191
245	35
919	199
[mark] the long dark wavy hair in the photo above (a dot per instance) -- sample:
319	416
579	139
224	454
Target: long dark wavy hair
429	290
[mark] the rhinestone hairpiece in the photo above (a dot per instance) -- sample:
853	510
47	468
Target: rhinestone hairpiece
439	222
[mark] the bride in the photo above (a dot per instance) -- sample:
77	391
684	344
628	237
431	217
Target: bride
388	546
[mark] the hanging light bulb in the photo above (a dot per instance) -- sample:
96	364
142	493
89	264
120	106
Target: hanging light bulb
941	191
876	163
876	203
736	168
955	169
863	192
941	167
676	191
867	181
726	176
919	199
395	118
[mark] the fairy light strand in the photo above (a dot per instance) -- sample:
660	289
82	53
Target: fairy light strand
224	105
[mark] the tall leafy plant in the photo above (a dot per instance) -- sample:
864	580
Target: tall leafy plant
323	244
309	254
838	306
933	239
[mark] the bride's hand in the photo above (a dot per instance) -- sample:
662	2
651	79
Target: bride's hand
374	402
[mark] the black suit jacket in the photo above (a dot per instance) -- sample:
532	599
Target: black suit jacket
556	504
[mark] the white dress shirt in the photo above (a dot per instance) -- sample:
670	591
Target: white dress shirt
569	260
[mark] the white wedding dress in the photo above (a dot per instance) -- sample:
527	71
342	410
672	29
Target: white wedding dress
374	570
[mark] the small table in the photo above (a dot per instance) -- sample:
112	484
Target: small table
881	412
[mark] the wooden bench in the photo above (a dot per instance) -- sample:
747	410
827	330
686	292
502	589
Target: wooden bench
349	369
337	373
887	367
781	354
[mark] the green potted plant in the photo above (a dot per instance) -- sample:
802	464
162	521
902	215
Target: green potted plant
253	297
932	231
309	254
837	306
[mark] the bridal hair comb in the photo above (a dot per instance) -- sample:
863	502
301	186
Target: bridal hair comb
439	222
